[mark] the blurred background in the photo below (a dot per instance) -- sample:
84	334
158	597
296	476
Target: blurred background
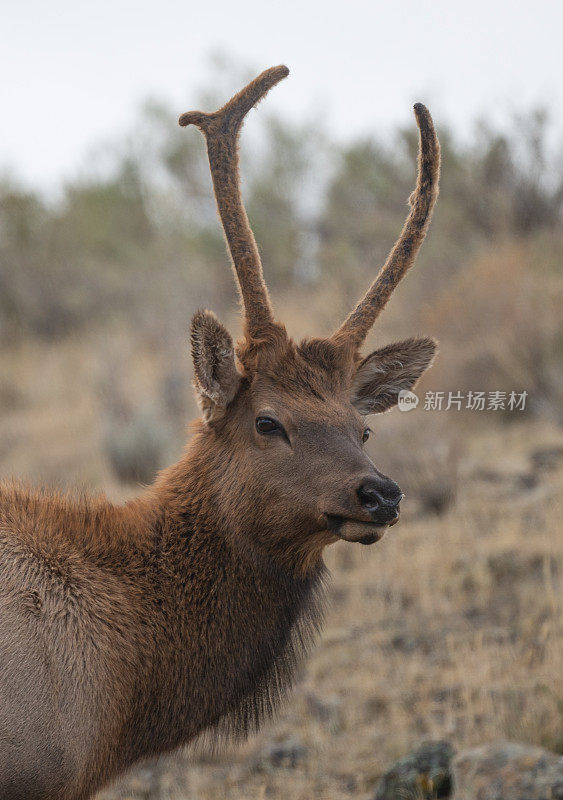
451	628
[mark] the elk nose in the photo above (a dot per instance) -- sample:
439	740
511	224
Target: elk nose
380	497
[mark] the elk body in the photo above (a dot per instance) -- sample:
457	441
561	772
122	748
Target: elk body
126	631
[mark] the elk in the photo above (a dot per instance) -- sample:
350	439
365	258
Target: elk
128	630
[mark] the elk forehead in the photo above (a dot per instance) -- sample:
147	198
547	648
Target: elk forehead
316	365
313	376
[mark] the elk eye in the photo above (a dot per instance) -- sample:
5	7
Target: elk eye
365	435
267	425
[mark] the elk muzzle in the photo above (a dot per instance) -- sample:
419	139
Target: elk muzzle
378	499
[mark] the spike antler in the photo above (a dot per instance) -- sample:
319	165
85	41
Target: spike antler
221	129
356	327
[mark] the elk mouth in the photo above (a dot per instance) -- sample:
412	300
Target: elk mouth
359	531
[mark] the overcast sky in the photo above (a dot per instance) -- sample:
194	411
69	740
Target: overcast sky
74	73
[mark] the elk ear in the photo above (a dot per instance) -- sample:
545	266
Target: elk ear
216	376
381	376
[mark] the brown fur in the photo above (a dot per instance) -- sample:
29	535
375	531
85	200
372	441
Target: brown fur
126	631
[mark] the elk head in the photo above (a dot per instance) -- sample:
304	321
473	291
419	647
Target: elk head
290	418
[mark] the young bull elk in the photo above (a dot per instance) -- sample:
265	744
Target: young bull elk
129	630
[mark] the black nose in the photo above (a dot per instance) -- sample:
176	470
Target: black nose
380	497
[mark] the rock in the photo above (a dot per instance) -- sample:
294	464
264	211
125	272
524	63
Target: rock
286	753
424	774
508	771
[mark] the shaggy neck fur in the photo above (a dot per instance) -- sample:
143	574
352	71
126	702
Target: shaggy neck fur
242	617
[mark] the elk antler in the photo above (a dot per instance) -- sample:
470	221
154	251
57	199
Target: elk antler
356	327
221	129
